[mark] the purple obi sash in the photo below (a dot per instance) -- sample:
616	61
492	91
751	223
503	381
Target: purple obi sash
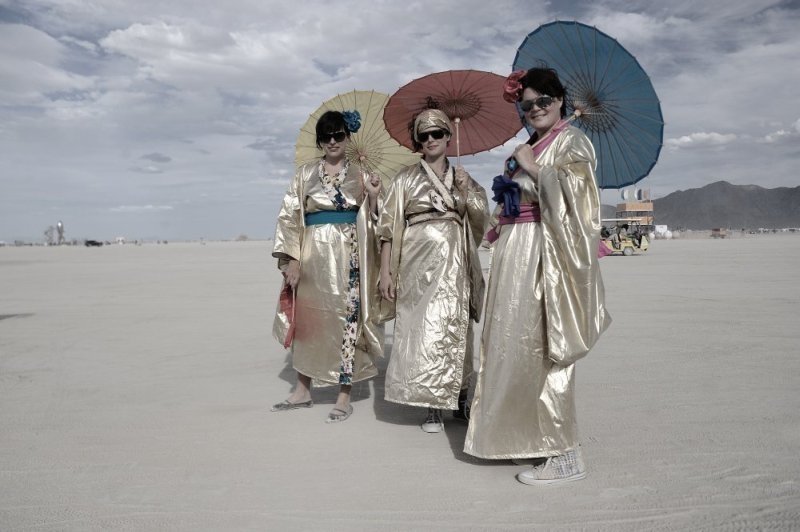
528	212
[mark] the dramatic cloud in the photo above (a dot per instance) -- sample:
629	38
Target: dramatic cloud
196	104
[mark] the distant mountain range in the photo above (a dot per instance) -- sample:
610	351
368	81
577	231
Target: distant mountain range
722	204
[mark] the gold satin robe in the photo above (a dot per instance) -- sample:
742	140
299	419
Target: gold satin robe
439	287
544	310
324	255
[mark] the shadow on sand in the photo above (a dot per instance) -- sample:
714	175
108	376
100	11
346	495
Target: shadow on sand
385	411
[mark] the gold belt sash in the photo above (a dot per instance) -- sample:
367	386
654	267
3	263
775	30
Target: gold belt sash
433	216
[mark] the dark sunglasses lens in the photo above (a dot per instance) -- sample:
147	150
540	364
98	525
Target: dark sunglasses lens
339	136
437	134
542	102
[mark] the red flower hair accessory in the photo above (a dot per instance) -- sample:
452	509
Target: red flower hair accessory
512	88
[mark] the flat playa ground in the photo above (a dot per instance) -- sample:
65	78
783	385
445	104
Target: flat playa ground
135	385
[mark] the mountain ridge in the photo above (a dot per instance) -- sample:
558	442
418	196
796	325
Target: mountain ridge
722	204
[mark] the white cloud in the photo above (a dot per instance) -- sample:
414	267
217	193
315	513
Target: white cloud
783	135
149	169
701	139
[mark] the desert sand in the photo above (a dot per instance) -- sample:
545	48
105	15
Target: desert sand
136	381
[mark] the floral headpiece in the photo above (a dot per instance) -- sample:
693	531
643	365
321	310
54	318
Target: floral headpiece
352	119
512	88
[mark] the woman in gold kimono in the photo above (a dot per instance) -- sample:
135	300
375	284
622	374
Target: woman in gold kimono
324	243
432	219
545	299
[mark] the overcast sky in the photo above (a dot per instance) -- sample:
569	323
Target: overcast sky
176	119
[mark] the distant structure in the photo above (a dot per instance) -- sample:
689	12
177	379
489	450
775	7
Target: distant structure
637	206
60	230
49	235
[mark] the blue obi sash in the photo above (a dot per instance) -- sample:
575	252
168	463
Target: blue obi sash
331	217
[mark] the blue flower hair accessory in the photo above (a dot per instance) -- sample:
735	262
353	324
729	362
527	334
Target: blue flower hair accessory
352	119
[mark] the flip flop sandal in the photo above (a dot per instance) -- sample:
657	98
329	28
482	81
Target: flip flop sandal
285	405
337	418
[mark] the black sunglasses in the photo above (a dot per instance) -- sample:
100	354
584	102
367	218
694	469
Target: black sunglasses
325	138
542	102
437	134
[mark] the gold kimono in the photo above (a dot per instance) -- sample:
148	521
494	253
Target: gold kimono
439	286
326	258
544	310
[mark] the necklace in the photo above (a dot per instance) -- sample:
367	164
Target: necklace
335	179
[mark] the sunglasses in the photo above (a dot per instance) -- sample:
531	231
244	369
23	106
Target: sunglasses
437	134
542	102
325	138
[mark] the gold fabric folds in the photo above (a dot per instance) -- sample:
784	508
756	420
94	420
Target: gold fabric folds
544	310
439	286
324	255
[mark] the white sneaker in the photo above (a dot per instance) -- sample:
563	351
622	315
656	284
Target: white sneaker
433	423
562	468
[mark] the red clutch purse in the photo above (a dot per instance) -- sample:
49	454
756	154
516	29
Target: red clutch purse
286	303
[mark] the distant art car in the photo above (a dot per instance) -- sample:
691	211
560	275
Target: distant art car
92	243
624	236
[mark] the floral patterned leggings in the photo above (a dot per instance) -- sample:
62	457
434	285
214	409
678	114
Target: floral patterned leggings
353	308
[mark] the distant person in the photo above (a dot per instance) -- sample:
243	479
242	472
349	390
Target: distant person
545	298
432	220
324	246
619	235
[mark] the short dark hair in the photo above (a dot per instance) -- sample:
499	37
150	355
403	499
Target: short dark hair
415	145
545	81
329	123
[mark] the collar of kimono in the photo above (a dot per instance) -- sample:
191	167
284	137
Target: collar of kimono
442	188
540	145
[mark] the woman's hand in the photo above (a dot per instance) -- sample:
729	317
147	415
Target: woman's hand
292	273
462	179
386	285
372	183
524	156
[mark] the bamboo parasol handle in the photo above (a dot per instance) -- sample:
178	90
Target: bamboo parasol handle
458	142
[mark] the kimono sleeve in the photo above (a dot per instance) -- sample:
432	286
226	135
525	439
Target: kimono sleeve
574	292
289	227
391	210
477	211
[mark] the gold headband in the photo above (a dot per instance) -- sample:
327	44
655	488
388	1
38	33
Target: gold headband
431	118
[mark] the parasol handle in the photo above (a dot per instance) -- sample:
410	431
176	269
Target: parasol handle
364	174
571	117
458	143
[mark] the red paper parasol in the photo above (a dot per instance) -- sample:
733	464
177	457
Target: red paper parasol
471	98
